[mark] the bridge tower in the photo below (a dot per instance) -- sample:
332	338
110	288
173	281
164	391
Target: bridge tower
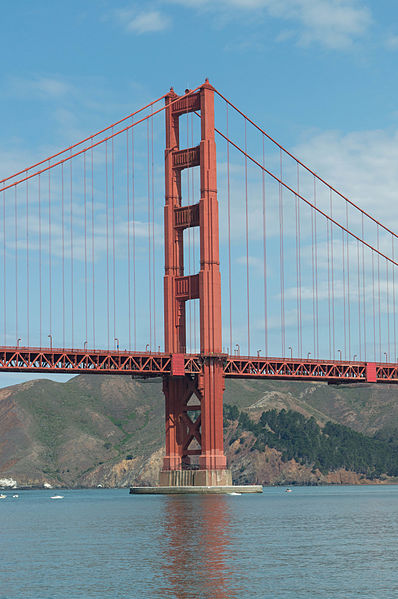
194	410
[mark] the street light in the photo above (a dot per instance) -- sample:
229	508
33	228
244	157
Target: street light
18	340
353	359
385	353
85	346
117	343
237	349
308	355
147	347
339	351
258	353
51	341
291	352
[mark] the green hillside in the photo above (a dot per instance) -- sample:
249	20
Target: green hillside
325	449
109	430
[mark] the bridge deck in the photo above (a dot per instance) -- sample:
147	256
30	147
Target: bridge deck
147	364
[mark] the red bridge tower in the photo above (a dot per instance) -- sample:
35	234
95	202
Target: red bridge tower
194	410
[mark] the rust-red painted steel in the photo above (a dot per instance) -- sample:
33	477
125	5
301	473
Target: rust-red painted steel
78	361
205	430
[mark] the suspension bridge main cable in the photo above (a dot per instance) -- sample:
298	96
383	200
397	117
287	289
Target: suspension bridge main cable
79	143
316	208
306	167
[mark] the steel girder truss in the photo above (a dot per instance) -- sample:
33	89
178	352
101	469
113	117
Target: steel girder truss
146	364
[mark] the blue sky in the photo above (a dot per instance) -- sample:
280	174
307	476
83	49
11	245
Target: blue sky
318	75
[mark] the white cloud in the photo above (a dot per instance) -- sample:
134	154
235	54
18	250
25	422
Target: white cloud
335	24
361	165
144	22
44	87
392	42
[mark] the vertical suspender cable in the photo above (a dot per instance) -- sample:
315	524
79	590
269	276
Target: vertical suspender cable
133	217
348	287
107	242
359	304
300	349
113	239
5	268
128	234
149	237
282	258
85	245
344	296
40	291
16	259
388	310
332	277
374	307
296	207
378	287
27	263
153	237
329	289
92	242
229	239
393	300
71	253
247	248
63	254
316	273
363	290
49	250
313	281
265	256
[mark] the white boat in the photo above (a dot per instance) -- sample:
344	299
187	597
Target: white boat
15	496
2	496
288	491
57	497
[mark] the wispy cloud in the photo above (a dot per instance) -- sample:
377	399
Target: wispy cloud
391	42
360	164
52	87
335	24
149	21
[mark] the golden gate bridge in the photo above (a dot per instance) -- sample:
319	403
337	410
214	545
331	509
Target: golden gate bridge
297	269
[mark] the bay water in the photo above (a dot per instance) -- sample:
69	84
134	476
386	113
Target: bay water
330	542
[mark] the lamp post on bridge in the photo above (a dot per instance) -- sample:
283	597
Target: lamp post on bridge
51	341
339	352
18	340
291	352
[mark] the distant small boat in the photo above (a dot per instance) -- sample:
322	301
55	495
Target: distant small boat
2	496
233	493
57	497
16	496
288	491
